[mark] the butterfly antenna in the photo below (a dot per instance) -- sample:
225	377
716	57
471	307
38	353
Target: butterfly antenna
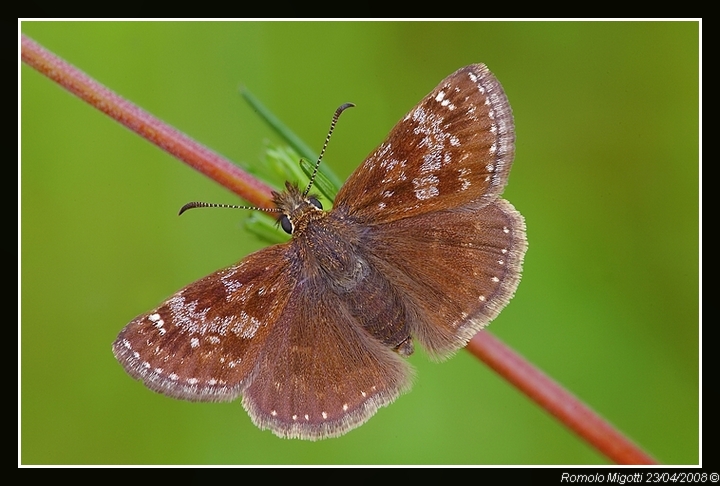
197	204
339	111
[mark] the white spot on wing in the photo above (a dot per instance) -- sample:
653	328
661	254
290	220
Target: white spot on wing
463	179
186	316
246	326
230	283
426	187
431	163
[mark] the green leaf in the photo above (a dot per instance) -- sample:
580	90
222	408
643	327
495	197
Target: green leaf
289	136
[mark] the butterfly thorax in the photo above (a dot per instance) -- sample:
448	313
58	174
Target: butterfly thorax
325	246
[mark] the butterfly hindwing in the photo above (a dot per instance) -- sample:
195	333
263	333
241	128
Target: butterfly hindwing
320	373
477	253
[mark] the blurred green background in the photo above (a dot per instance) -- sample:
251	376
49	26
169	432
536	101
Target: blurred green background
606	174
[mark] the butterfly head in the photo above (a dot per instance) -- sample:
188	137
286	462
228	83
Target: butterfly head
297	209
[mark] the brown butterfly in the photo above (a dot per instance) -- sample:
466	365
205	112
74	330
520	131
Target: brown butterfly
312	333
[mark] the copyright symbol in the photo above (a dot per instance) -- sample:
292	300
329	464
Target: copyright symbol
714	477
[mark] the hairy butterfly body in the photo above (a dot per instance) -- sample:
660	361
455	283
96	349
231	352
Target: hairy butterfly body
419	247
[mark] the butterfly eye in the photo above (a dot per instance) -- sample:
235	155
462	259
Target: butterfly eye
286	224
315	202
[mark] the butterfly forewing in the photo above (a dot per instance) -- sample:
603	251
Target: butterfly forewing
203	342
454	147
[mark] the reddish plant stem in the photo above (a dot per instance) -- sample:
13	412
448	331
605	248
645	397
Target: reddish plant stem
144	124
531	381
556	400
